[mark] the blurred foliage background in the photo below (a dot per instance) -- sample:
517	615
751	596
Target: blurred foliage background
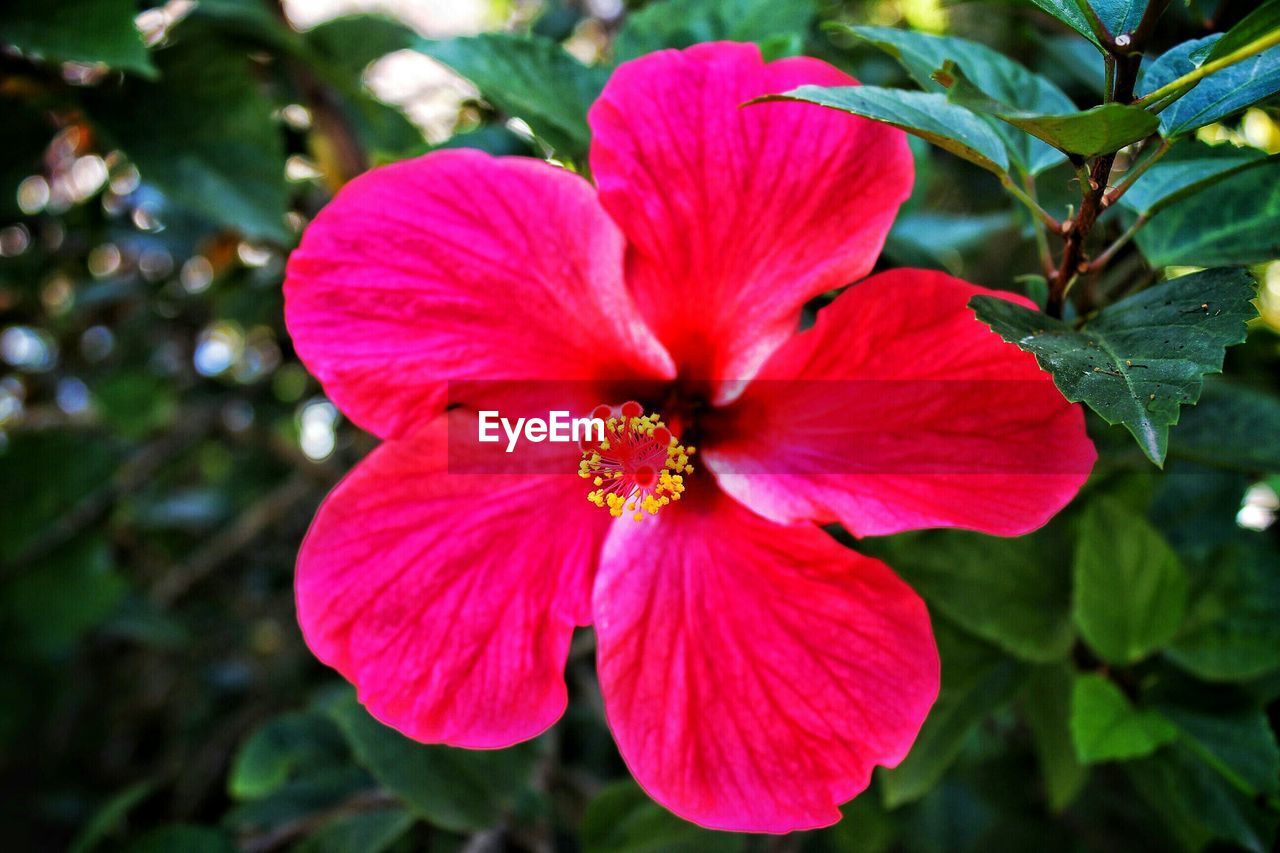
162	451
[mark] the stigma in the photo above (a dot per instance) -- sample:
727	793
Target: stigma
638	467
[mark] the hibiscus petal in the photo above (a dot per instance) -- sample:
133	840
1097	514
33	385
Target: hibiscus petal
754	673
900	410
737	215
458	266
449	600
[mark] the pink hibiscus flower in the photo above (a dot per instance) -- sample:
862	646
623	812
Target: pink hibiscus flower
753	670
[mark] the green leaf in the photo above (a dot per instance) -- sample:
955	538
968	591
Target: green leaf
1238	744
1070	13
52	472
368	832
36	610
456	789
976	682
940	240
1196	806
312	793
529	77
921	55
1232	632
1195	505
925	114
1046	704
136	403
1015	593
681	23
1119	16
279	750
185	837
1099	130
1260	22
341	49
1106	727
1188	168
1230	428
203	135
77	31
1142	358
109	816
1217	96
623	819
1130	587
249	20
349	44
1234	221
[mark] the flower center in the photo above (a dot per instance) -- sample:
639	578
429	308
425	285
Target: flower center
639	467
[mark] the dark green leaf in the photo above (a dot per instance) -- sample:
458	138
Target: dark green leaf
681	23
1074	61
109	816
1106	727
1119	16
1232	632
1196	805
864	827
251	20
1195	505
280	749
341	50
1230	428
1046	704
77	31
1188	168
1070	13
976	682
1238	744
1234	221
623	819
35	609
350	43
494	138
1015	593
310	794
136	403
941	239
925	114
1130	587
366	832
1215	97
204	136
51	472
1142	358
1099	130
531	78
456	789
185	837
1260	22
992	72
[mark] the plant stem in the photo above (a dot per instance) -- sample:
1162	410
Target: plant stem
1136	172
1094	180
1042	236
1175	87
1031	204
1108	253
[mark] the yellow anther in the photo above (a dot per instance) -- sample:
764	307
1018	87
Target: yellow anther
623	466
